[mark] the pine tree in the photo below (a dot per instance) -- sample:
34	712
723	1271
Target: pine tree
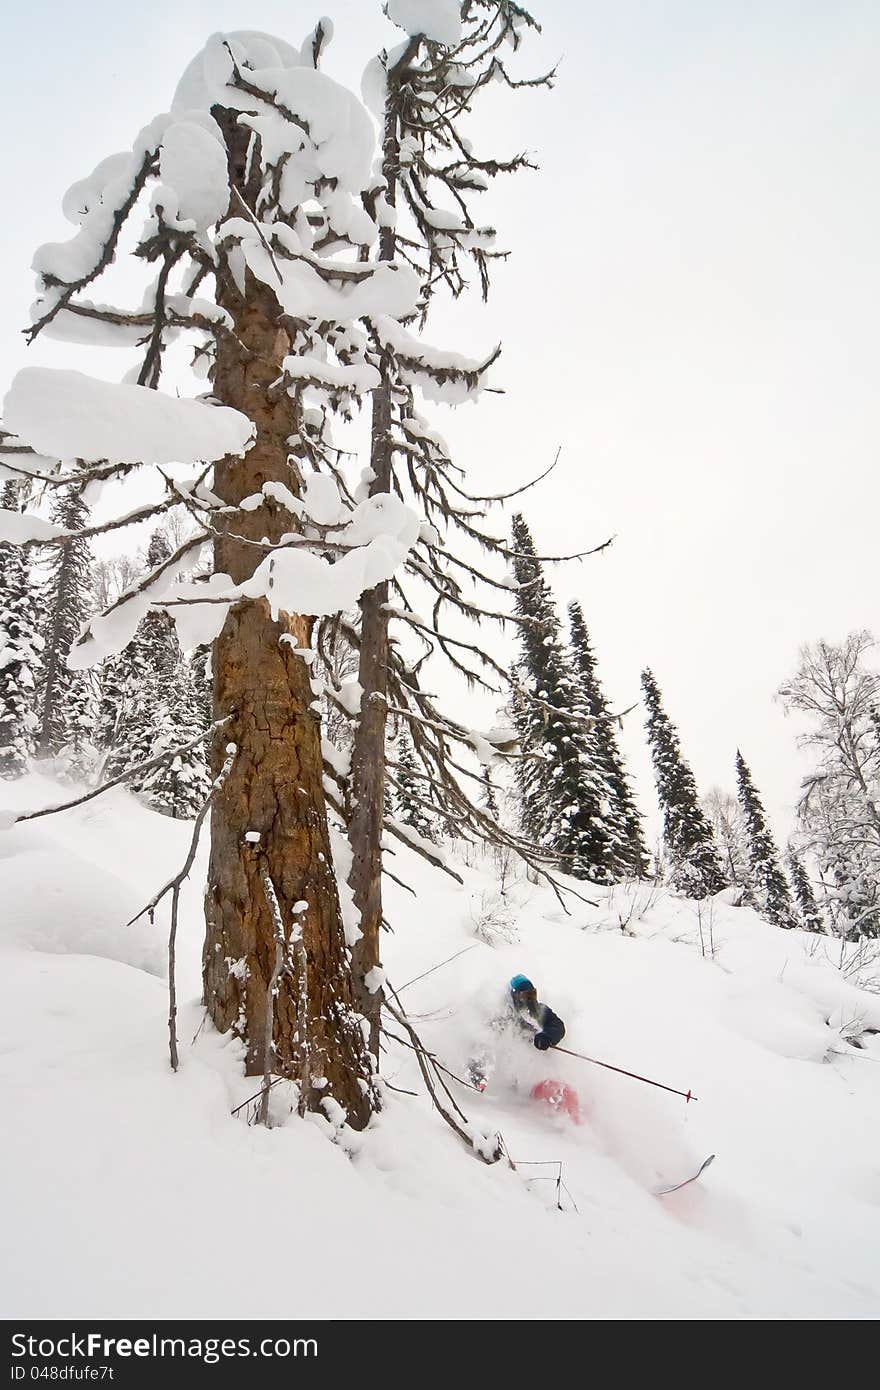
564	798
20	648
200	667
490	797
768	886
409	791
694	863
112	680
625	821
156	633
66	697
178	787
154	700
810	912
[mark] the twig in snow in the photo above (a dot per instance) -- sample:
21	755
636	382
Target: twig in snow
174	886
435	967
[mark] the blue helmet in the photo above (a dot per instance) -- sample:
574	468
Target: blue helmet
520	983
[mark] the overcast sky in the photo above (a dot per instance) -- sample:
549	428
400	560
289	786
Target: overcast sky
690	311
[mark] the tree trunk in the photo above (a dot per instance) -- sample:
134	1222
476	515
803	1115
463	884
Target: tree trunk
368	758
368	754
275	788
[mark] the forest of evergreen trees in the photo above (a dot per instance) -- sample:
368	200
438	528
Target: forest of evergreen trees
134	707
571	793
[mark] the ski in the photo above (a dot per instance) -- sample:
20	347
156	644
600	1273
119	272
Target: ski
664	1191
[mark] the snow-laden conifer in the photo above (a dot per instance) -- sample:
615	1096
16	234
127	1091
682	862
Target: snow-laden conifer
66	698
20	652
564	795
694	865
624	820
810	913
768	886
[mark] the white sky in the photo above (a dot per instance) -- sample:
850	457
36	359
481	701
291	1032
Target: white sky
689	311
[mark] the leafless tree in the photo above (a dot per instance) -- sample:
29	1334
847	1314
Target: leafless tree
837	689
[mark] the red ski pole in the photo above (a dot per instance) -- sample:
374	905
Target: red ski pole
688	1095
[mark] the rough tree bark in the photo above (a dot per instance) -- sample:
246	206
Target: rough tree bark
275	786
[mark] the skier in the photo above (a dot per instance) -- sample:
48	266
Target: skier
525	1015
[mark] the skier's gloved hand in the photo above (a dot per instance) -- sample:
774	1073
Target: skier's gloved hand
542	1042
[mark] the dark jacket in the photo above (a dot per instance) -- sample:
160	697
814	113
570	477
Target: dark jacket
551	1029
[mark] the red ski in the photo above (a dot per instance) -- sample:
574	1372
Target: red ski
559	1097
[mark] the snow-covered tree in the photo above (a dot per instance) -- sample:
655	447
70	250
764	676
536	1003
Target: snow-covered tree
200	670
137	684
153	702
811	917
260	252
410	807
179	786
263	210
422	92
564	796
20	652
837	689
768	887
695	867
300	271
490	797
67	706
624	820
728	826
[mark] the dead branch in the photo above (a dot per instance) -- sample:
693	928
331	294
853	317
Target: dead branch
174	886
124	776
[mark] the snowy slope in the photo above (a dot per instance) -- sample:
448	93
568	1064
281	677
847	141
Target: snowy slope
131	1192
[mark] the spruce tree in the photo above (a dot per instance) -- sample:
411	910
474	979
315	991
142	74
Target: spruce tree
564	799
625	821
200	668
410	810
66	697
178	787
154	700
489	798
694	863
112	679
810	912
768	886
20	648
